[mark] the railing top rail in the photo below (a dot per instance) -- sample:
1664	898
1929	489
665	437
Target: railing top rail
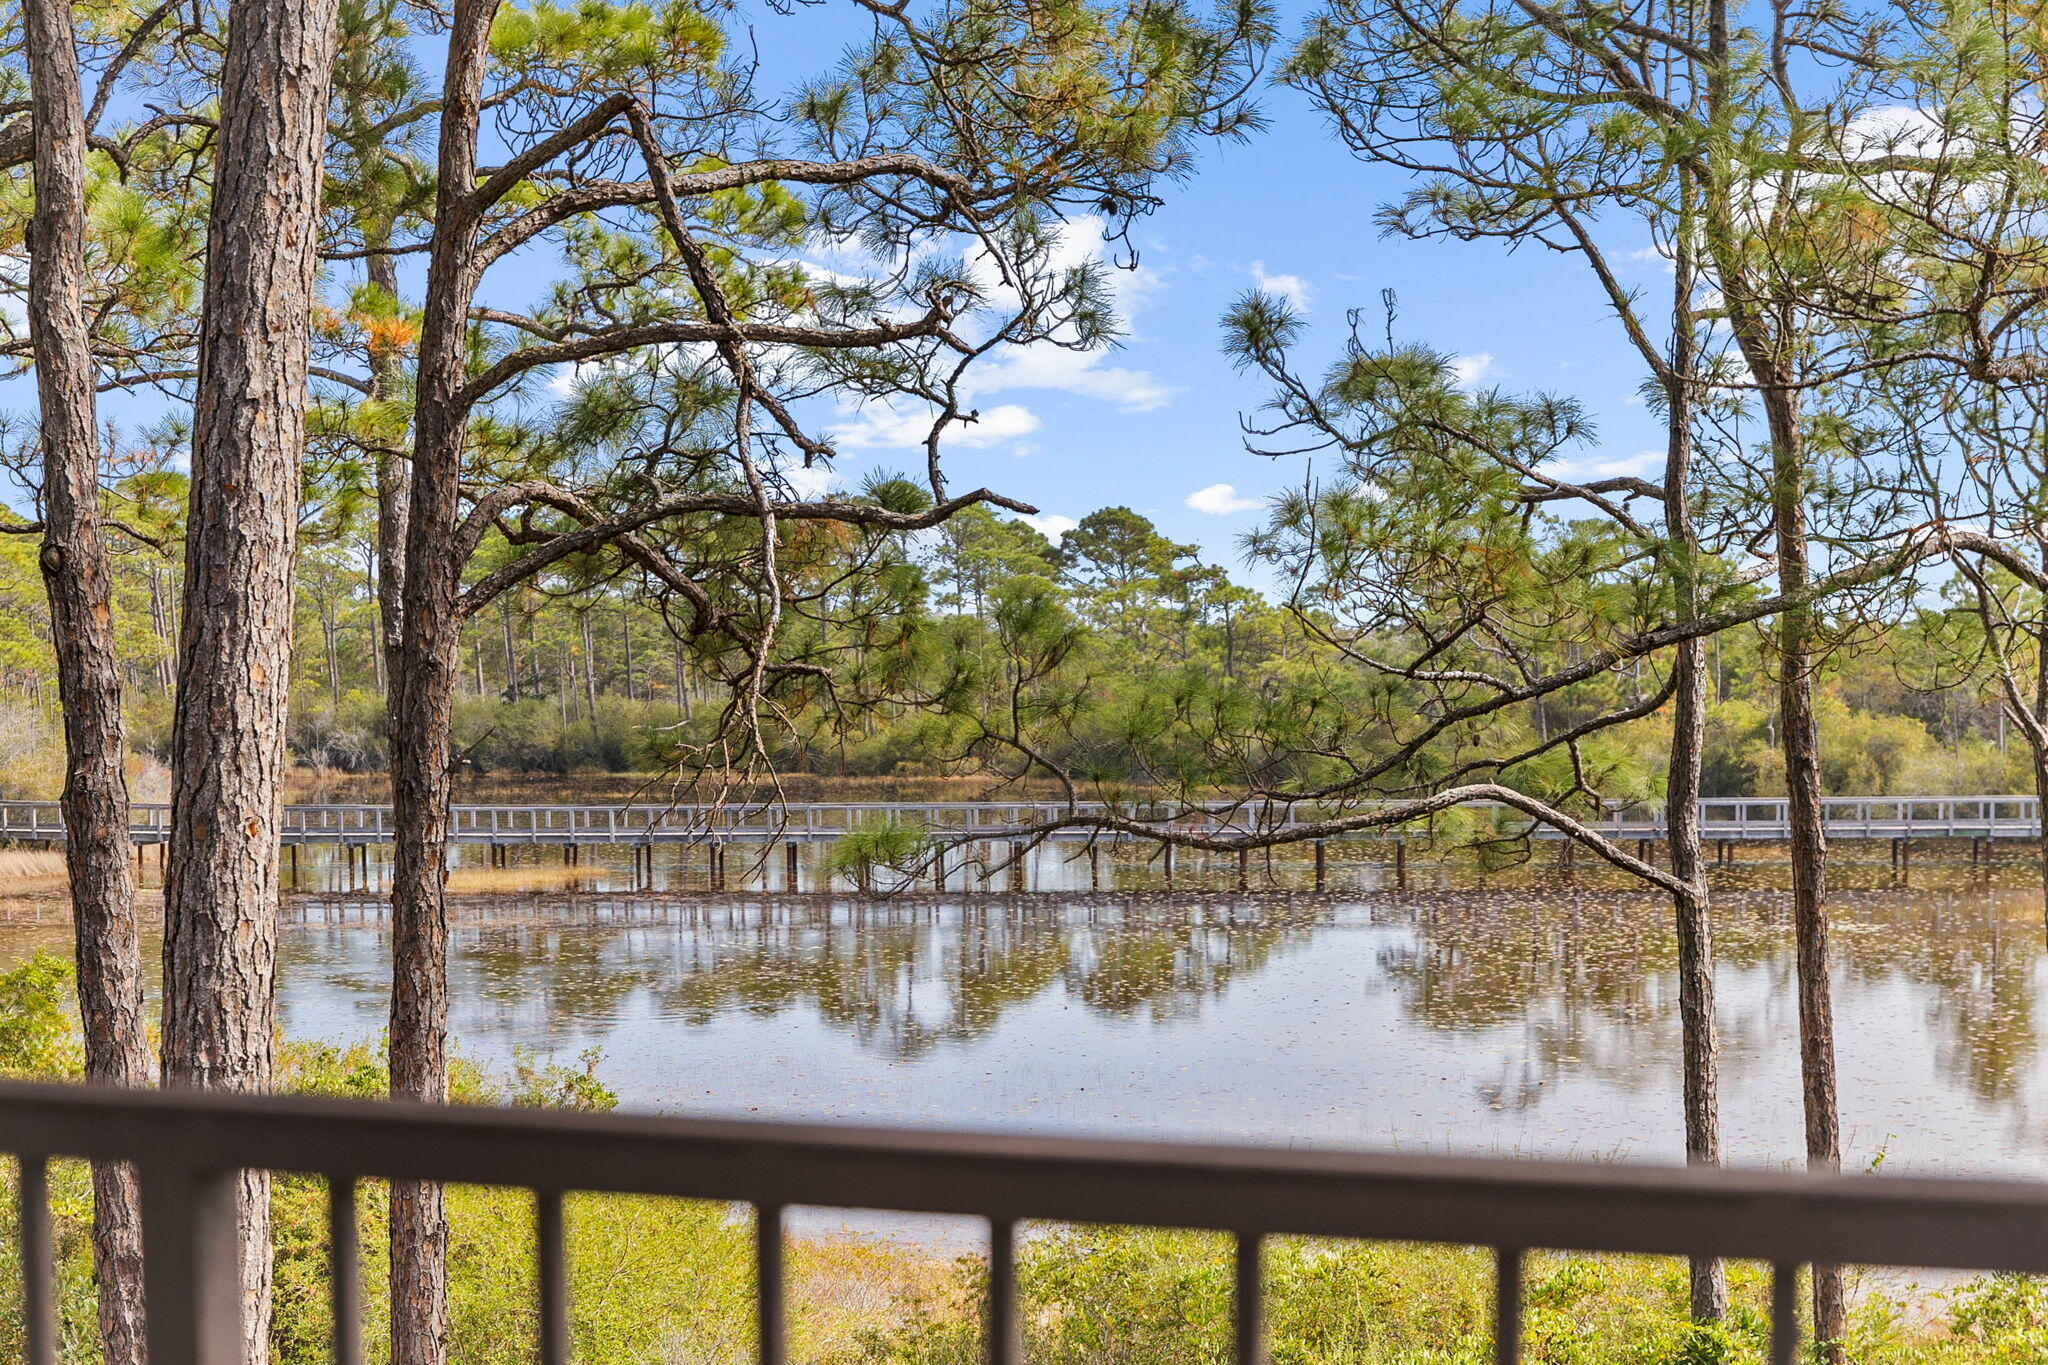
1995	1225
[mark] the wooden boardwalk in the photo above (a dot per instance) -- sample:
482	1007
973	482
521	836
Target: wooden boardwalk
1722	819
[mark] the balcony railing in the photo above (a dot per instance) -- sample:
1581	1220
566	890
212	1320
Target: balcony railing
187	1148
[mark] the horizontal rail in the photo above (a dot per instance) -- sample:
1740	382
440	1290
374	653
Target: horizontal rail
187	1148
1597	1207
1721	818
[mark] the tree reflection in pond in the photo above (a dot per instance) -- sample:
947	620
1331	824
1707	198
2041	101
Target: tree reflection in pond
902	977
1521	1018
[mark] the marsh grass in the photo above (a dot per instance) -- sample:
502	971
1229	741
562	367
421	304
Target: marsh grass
533	877
31	869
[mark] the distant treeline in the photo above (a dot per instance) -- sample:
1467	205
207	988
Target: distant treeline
587	675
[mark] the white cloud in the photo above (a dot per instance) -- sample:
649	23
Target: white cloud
1468	370
811	481
1611	467
1051	525
881	426
1081	373
1293	288
1220	500
1655	254
1899	130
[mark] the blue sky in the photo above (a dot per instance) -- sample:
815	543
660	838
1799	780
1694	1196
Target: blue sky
1154	423
1293	210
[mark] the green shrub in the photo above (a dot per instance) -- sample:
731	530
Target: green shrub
38	1033
876	843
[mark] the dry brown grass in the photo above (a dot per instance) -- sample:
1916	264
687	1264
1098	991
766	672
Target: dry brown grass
848	1290
306	786
21	868
539	878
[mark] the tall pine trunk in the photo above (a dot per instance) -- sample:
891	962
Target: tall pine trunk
1808	835
79	580
511	656
2040	765
234	663
589	671
394	468
1763	329
1699	1045
422	696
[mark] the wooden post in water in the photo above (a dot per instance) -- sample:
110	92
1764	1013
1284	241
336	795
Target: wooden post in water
1401	863
1094	866
1169	866
1322	861
789	857
1016	866
1244	869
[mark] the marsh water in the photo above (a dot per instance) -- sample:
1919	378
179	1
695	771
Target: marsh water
1513	1011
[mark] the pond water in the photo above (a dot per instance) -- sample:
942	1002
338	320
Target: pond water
1511	1012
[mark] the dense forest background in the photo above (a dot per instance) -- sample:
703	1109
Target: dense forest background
585	673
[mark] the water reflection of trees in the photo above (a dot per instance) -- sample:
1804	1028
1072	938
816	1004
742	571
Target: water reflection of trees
1583	981
903	978
1590	977
1587	977
1979	960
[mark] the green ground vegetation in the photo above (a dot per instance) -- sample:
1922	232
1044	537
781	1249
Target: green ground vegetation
669	1282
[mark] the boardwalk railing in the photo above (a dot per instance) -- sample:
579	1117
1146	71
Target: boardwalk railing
186	1149
1731	818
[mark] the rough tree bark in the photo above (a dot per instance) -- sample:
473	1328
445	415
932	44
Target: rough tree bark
234	662
79	580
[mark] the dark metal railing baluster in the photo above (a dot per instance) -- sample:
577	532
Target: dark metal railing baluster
1005	1341
345	1269
771	1322
1249	1310
554	1278
38	1267
191	1276
1784	1314
1507	1306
